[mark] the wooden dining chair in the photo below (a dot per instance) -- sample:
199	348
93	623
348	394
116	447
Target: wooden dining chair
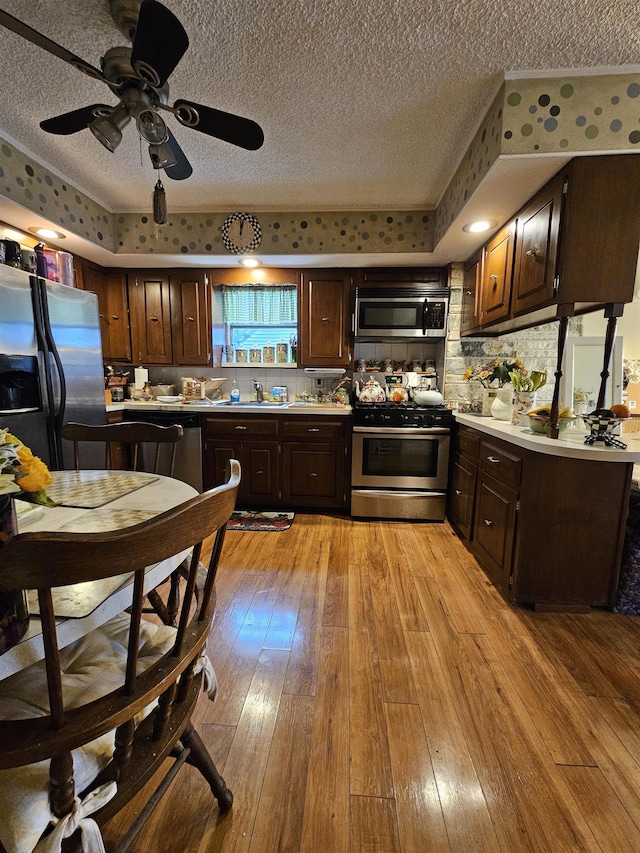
128	437
124	445
83	730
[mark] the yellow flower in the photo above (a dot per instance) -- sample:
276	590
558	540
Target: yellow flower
21	473
36	477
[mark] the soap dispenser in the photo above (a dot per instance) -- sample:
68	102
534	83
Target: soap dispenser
234	394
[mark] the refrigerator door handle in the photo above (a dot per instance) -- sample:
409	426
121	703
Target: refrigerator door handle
50	351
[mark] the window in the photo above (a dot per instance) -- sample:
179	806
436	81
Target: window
257	314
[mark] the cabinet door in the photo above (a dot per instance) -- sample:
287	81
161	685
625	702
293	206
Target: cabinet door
537	234
325	319
462	495
471	287
314	475
113	305
494	529
151	316
191	317
260	484
497	275
216	456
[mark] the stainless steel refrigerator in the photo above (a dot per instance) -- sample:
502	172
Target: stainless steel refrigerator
51	367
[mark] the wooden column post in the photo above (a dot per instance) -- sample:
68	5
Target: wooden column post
563	325
612	311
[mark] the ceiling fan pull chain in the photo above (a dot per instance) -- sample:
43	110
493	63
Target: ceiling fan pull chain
160	212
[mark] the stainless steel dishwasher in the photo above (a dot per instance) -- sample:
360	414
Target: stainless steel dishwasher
188	465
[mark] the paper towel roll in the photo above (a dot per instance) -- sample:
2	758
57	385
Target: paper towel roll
141	375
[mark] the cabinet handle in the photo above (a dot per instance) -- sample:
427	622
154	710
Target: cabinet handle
488	522
493	459
114	317
153	319
325	319
313	429
493	277
191	319
313	474
240	427
469	292
259	473
459	491
532	252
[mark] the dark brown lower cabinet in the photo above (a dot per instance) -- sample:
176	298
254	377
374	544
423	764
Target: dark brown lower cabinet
287	463
494	528
253	441
462	494
547	530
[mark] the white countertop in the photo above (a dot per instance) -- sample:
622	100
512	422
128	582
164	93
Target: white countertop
237	408
569	444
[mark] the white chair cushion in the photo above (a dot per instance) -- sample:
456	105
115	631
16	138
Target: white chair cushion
92	667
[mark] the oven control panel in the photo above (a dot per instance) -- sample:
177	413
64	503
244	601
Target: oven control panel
397	418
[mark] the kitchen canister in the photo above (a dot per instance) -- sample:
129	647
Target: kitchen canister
12	253
269	354
30	261
65	268
53	269
241	355
255	355
282	353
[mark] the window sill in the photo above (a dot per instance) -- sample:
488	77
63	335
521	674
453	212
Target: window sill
269	365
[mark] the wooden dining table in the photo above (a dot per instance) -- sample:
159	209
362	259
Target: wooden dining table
93	502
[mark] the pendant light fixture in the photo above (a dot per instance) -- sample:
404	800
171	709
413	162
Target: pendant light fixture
160	212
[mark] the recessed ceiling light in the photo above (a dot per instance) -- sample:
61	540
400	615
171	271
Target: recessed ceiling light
10	234
249	262
479	225
47	233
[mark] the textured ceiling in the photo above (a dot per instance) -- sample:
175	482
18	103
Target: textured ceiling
366	104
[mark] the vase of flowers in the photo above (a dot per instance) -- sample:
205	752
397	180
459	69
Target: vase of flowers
25	476
494	375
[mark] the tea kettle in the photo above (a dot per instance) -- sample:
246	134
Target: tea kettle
370	392
426	393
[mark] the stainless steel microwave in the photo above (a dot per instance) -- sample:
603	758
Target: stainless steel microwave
408	312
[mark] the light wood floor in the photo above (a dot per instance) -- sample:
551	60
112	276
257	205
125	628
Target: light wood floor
377	694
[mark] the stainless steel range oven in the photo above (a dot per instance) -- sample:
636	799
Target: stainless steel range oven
400	461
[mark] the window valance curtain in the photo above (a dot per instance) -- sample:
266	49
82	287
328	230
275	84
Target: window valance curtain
261	304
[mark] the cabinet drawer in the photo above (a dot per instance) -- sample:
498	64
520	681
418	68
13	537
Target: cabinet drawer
240	427
502	464
320	429
468	442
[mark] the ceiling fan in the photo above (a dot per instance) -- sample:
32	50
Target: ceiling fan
138	76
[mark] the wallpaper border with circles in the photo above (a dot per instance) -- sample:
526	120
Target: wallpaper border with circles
534	116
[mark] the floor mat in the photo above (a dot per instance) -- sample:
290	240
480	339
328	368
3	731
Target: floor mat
265	521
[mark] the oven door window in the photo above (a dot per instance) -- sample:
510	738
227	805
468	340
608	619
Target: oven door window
400	457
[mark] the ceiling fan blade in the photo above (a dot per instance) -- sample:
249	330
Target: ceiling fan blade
181	169
159	43
74	121
226	126
37	38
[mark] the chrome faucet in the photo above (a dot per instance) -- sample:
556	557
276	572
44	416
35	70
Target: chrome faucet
259	390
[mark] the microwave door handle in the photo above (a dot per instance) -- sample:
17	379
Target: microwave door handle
424	316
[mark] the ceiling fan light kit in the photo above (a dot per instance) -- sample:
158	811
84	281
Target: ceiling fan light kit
107	129
138	76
